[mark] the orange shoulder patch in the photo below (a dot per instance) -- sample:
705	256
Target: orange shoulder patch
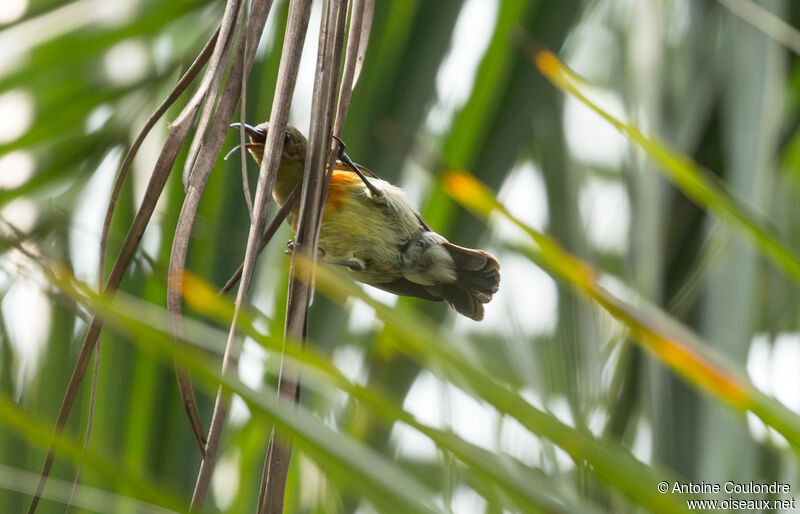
340	187
344	176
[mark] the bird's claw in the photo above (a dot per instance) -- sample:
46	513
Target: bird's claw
342	144
374	191
291	245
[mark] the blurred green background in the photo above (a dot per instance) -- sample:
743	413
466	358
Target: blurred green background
444	87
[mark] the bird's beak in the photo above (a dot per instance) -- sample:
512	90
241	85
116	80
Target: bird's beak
256	134
250	146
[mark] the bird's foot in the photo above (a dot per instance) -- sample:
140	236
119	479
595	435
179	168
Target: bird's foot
291	246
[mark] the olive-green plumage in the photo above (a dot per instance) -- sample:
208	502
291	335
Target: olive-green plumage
380	236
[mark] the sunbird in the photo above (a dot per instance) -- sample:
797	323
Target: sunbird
372	228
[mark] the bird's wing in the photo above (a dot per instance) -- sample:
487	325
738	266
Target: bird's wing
344	168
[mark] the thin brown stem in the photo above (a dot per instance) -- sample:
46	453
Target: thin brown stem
209	90
366	28
186	390
92	398
361	12
331	41
353	41
155	186
299	13
242	144
176	92
207	156
213	80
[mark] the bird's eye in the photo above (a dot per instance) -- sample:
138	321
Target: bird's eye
286	137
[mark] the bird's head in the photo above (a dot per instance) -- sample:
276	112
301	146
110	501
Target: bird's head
294	142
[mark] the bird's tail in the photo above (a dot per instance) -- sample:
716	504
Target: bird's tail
477	279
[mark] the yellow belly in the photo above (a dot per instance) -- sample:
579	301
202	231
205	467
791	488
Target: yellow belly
357	227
